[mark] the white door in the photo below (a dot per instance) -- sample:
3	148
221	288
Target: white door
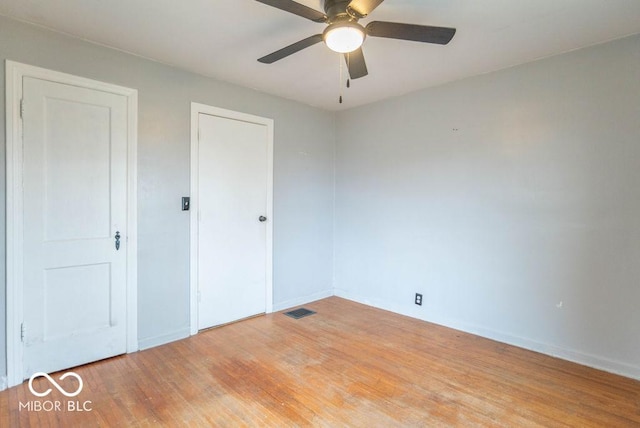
232	198
75	203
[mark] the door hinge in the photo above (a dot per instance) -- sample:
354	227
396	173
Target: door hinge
21	108
22	332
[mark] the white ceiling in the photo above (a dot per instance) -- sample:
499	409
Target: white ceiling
224	38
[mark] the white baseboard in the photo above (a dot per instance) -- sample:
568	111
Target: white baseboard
585	359
590	360
152	342
302	300
3	383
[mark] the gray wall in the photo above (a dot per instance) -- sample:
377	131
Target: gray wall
511	201
303	175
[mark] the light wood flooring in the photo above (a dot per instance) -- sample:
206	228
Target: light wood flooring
347	365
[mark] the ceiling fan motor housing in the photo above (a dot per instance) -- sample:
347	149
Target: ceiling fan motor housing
336	10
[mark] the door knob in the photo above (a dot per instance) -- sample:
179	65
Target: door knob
117	240
262	218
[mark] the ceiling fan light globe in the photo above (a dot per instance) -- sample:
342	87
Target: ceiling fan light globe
344	38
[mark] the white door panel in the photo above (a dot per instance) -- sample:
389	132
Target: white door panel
75	199
232	263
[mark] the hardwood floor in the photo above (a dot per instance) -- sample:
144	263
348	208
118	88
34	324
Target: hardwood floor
347	365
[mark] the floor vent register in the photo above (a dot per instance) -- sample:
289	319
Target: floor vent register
299	313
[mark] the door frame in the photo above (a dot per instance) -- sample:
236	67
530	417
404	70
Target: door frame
15	72
196	110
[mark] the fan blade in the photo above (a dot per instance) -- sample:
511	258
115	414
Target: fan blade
296	9
363	8
291	49
356	64
417	33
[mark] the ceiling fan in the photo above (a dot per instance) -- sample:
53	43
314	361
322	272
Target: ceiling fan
344	35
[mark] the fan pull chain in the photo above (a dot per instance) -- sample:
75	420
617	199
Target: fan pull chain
340	78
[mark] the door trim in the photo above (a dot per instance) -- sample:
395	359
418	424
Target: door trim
15	72
196	110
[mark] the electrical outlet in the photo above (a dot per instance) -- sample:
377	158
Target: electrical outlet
418	299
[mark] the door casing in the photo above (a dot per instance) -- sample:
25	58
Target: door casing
15	72
196	110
